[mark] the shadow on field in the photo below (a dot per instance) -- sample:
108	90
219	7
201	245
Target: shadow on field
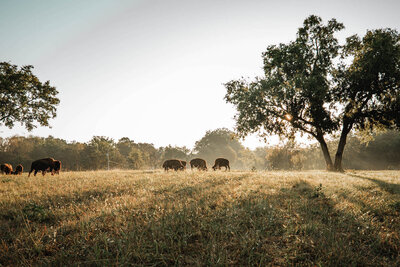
388	187
198	226
320	234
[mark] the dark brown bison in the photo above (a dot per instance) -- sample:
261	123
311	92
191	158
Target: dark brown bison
221	162
175	164
6	168
57	166
43	165
18	170
199	164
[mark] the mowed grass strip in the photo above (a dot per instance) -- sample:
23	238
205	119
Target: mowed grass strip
196	218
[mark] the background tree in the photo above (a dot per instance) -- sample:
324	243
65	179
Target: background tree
24	99
369	87
152	157
381	151
286	157
218	143
125	145
95	154
261	154
135	158
174	152
305	90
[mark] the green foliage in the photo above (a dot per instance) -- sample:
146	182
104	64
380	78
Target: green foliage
174	152
96	153
125	145
307	89
24	99
218	143
292	95
78	156
382	152
369	87
151	155
284	158
37	213
135	158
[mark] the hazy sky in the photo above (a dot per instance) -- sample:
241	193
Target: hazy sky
153	71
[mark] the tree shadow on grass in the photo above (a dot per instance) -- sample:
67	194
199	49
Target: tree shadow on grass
298	225
327	236
388	187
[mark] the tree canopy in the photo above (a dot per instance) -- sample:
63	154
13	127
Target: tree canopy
309	87
24	99
218	143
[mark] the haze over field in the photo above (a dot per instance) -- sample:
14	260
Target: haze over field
129	68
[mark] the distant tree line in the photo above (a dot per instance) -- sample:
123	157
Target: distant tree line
383	152
101	152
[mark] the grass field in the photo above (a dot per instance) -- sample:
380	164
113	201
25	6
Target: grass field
201	218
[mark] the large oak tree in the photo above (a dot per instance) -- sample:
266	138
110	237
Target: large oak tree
24	99
314	85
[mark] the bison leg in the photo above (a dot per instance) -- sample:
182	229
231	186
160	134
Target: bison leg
36	171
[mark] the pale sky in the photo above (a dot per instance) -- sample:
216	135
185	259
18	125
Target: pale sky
151	70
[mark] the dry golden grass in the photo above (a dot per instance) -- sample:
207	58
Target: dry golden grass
201	218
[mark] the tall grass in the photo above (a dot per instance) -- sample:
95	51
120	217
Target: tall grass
201	218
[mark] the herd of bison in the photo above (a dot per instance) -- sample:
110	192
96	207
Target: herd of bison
54	166
176	164
43	165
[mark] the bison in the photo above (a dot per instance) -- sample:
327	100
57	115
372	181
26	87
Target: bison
18	170
54	166
173	164
57	166
221	162
199	164
6	168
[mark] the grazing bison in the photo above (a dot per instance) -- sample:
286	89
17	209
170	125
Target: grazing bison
45	165
57	166
18	170
6	168
221	162
173	164
199	164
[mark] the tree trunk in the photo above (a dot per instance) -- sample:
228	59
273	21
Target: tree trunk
325	151
342	142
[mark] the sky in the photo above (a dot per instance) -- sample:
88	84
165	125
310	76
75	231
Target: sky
154	70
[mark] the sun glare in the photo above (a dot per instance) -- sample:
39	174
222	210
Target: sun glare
288	117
